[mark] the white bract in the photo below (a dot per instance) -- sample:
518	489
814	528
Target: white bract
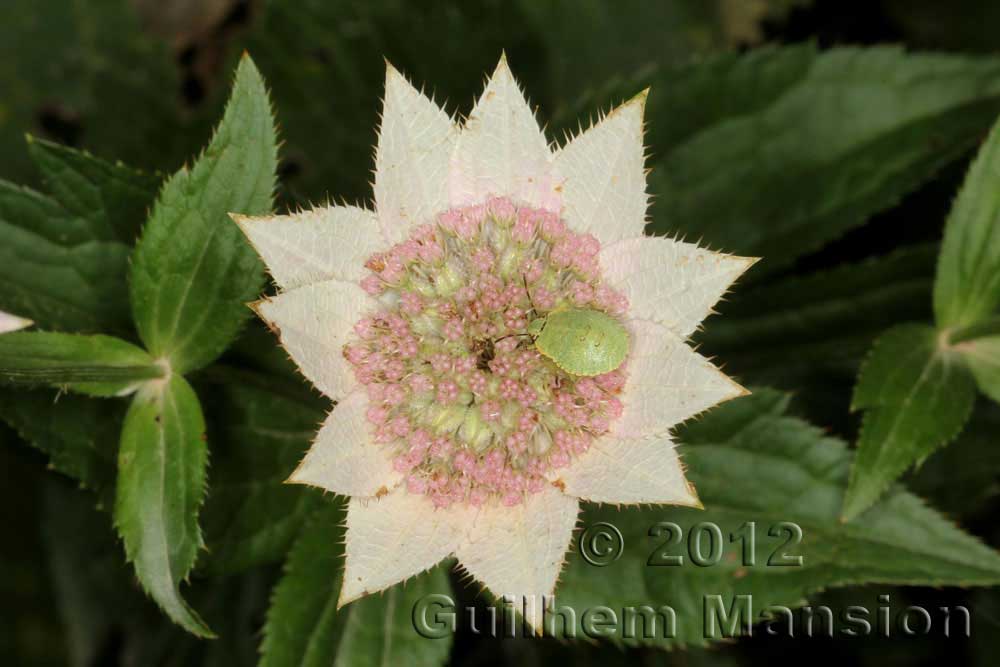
452	434
9	323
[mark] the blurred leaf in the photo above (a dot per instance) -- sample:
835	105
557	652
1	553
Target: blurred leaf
752	463
379	629
111	197
234	606
97	365
967	289
161	486
825	321
779	151
192	271
544	652
916	396
95	591
184	23
31	630
983	358
84	73
305	629
961	25
256	349
809	334
985	606
961	477
258	436
57	269
79	435
634	34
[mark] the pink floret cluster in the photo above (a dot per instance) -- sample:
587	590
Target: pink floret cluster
471	411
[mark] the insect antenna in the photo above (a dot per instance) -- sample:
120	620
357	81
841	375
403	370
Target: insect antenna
533	311
527	291
497	340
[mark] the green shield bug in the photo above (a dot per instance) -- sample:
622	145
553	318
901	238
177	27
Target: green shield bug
581	341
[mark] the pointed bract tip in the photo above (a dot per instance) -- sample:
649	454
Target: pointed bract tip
11	323
503	67
247	67
637	101
742	264
255	306
344	599
640	97
294	478
390	69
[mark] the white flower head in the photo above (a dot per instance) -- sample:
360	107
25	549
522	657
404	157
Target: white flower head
452	434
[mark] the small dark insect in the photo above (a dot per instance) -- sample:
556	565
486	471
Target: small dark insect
484	351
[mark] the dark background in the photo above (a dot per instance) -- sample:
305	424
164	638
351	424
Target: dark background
143	81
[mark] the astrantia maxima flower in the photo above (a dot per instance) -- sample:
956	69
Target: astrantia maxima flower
452	434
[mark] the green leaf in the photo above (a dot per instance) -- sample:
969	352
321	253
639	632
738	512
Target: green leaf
236	607
62	271
32	629
97	365
255	349
810	333
192	270
982	356
258	436
824	322
960	478
635	34
305	629
983	644
89	72
113	198
93	587
960	26
233	605
78	434
917	396
967	289
779	151
161	486
750	462
65	257
101	607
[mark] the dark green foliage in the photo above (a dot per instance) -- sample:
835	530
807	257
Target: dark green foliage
815	156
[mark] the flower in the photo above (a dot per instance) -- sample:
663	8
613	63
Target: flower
452	434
